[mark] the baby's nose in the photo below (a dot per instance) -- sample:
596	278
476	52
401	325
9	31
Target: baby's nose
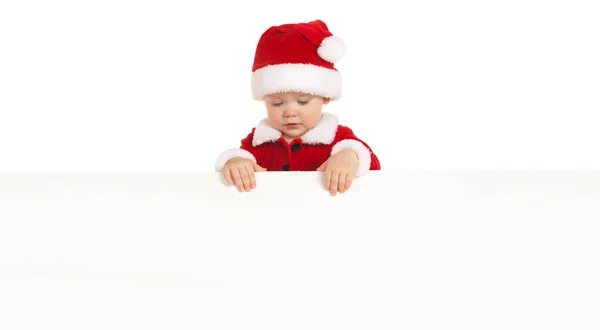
290	111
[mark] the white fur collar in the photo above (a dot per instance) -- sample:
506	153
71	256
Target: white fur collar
323	133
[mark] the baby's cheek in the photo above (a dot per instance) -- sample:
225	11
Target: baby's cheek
311	122
278	125
275	122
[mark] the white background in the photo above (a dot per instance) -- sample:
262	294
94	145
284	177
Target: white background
165	85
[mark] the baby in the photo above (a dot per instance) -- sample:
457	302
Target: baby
293	74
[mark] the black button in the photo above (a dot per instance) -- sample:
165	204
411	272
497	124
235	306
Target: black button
295	147
285	167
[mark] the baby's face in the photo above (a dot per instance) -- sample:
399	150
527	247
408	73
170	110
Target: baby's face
294	113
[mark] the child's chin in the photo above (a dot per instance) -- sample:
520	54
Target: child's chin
294	135
294	131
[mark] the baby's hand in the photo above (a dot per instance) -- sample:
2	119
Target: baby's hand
240	171
340	170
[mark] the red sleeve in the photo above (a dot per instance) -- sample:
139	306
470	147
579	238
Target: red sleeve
346	139
246	143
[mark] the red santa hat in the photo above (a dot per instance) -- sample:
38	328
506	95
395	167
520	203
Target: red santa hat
298	58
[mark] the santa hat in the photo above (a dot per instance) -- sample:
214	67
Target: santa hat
298	58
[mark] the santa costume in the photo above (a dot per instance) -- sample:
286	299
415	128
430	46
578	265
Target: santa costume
299	58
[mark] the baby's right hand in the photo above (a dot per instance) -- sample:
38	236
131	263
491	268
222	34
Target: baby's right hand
240	171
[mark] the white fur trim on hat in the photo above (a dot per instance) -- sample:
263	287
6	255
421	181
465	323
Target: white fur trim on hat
332	49
364	155
304	78
232	153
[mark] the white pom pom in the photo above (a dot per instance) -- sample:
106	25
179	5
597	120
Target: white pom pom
332	49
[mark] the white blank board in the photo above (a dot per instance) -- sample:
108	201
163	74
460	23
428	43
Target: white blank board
400	250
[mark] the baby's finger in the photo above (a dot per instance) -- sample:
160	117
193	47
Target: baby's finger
252	177
245	177
327	179
349	180
341	187
227	175
334	182
258	168
237	179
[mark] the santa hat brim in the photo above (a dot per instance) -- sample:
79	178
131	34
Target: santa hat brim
304	78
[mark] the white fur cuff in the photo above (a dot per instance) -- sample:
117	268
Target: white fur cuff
231	153
364	155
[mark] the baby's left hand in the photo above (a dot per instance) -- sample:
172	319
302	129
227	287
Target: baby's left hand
340	170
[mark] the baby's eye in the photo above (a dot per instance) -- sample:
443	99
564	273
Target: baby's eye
277	104
303	102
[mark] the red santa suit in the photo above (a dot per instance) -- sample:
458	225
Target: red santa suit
299	57
269	149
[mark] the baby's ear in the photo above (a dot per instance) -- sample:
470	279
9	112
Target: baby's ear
326	100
